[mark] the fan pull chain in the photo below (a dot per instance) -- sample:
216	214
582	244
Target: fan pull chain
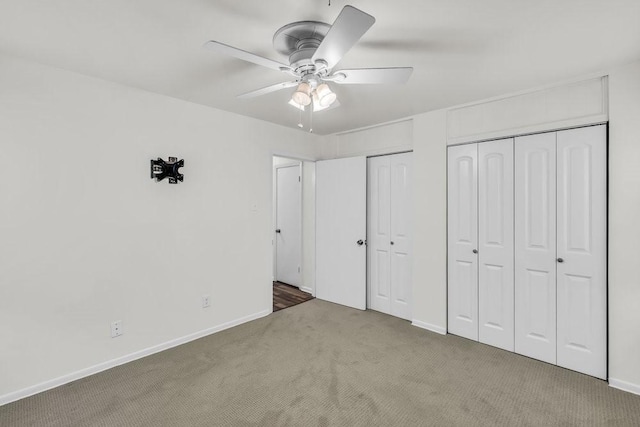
310	118
300	125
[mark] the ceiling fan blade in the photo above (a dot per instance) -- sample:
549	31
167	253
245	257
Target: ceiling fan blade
347	29
265	90
244	55
372	76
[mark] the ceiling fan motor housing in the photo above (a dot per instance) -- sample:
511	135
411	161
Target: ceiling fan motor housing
299	41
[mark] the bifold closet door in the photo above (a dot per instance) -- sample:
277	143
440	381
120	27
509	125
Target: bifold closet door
462	233
389	235
581	250
401	226
379	233
535	246
495	244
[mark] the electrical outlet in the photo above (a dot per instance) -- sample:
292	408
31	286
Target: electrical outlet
116	328
205	301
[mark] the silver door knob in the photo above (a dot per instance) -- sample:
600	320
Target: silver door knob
277	230
560	260
360	242
475	251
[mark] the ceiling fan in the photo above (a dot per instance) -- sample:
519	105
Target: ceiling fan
314	48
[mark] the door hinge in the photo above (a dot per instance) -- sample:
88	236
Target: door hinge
298	179
298	269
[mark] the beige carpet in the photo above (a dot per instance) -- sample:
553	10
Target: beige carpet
320	364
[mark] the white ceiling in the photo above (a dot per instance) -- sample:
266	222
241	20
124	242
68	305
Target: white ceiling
461	50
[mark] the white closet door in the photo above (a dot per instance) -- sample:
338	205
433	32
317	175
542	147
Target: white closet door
401	225
495	241
535	246
379	233
462	241
581	250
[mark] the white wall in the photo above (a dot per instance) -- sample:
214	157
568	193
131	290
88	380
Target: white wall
390	138
430	221
88	238
429	146
624	227
564	105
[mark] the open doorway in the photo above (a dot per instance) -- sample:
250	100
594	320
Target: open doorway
291	232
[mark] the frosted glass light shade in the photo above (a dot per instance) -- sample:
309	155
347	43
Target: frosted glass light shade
302	95
325	96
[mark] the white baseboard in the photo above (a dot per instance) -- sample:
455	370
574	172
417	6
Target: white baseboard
624	386
64	379
306	289
429	327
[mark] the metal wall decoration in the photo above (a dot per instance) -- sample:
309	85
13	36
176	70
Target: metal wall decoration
169	169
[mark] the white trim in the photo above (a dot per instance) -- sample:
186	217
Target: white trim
91	370
306	289
392	122
429	327
624	386
292	156
555	85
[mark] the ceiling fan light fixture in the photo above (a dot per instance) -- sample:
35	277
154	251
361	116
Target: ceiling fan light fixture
296	105
302	95
325	96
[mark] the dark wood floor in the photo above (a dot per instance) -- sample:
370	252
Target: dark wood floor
285	296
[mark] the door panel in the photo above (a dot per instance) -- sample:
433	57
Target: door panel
401	209
289	222
495	240
389	234
341	204
462	233
535	246
582	246
379	233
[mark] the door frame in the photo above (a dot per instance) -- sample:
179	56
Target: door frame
306	287
292	164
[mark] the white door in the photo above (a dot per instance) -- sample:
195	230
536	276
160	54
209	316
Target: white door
535	246
463	241
288	225
379	233
495	243
401	226
341	209
581	250
389	234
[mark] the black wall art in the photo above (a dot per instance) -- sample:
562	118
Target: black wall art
169	169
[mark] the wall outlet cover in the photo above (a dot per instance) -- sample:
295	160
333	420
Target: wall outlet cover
206	301
116	328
